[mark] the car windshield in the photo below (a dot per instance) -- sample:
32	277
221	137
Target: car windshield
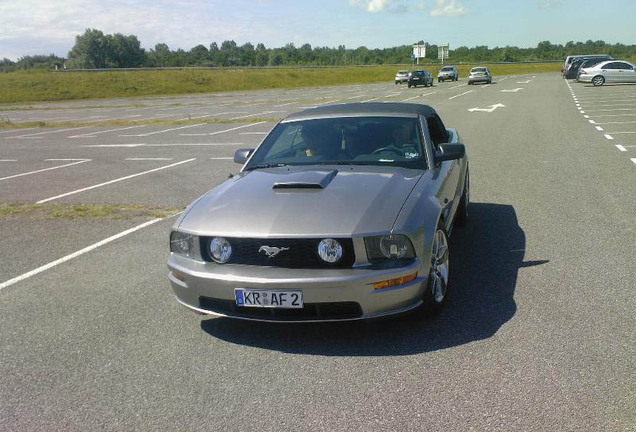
478	70
447	69
392	141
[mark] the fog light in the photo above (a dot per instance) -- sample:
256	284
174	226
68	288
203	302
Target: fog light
330	250
395	282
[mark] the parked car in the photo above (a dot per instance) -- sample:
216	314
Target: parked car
571	58
586	63
401	76
343	212
479	74
420	77
613	71
448	73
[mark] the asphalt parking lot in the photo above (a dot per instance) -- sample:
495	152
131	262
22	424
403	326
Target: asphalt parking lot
539	329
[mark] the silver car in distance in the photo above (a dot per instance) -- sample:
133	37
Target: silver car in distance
343	212
614	71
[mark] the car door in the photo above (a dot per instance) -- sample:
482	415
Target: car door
625	72
610	72
447	172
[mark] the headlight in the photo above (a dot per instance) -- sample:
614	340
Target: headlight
220	250
389	247
330	250
182	243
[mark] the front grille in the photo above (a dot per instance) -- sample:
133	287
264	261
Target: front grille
310	311
302	253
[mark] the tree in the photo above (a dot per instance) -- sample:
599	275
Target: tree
90	50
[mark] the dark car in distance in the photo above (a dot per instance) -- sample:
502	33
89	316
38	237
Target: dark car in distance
420	77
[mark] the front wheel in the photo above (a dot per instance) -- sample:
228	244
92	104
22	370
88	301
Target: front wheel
598	81
437	287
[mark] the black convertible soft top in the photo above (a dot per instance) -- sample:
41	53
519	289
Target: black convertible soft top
389	109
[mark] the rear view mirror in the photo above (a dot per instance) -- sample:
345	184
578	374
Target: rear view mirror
241	155
449	152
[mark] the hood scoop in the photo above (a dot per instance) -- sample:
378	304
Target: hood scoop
306	180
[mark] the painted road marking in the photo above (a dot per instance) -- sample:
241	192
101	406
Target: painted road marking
411	98
598	128
461	94
224	131
457	86
619	133
45	132
586	116
164	130
634	160
592	121
222	158
161	145
92	134
513	90
8	160
114	181
254	115
524	82
253	133
609	137
20	130
491	109
621	148
77	162
148	159
78	253
618	122
615	115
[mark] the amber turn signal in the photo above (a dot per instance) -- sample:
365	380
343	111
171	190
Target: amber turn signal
394	282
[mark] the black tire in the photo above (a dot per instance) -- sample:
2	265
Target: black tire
598	80
462	216
432	301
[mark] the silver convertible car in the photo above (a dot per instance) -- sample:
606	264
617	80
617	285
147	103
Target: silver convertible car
343	212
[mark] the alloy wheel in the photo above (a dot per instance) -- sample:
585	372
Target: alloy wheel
439	266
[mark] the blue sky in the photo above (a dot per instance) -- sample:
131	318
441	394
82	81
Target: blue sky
44	27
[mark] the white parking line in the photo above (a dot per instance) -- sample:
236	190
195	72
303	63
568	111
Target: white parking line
149	159
46	169
78	253
621	148
370	100
160	145
634	160
163	130
598	128
461	94
411	98
224	131
254	115
615	115
609	137
114	181
253	133
457	86
618	122
8	160
222	158
627	132
92	134
45	132
16	130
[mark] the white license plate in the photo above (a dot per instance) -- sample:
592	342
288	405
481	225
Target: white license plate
268	298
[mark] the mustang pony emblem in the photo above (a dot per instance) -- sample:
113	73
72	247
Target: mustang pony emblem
271	251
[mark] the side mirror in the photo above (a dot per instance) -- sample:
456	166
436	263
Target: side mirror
449	152
241	155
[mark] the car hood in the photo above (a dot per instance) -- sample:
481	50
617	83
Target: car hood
303	202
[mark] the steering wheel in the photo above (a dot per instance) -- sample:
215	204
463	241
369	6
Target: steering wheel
388	149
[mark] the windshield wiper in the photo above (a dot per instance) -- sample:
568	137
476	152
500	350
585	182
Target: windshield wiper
263	166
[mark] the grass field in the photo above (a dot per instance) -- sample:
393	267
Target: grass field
27	87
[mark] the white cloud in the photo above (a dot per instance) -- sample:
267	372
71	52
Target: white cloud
447	8
373	6
549	5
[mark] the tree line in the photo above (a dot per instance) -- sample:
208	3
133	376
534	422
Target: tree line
93	50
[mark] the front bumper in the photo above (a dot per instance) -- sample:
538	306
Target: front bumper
328	294
479	79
